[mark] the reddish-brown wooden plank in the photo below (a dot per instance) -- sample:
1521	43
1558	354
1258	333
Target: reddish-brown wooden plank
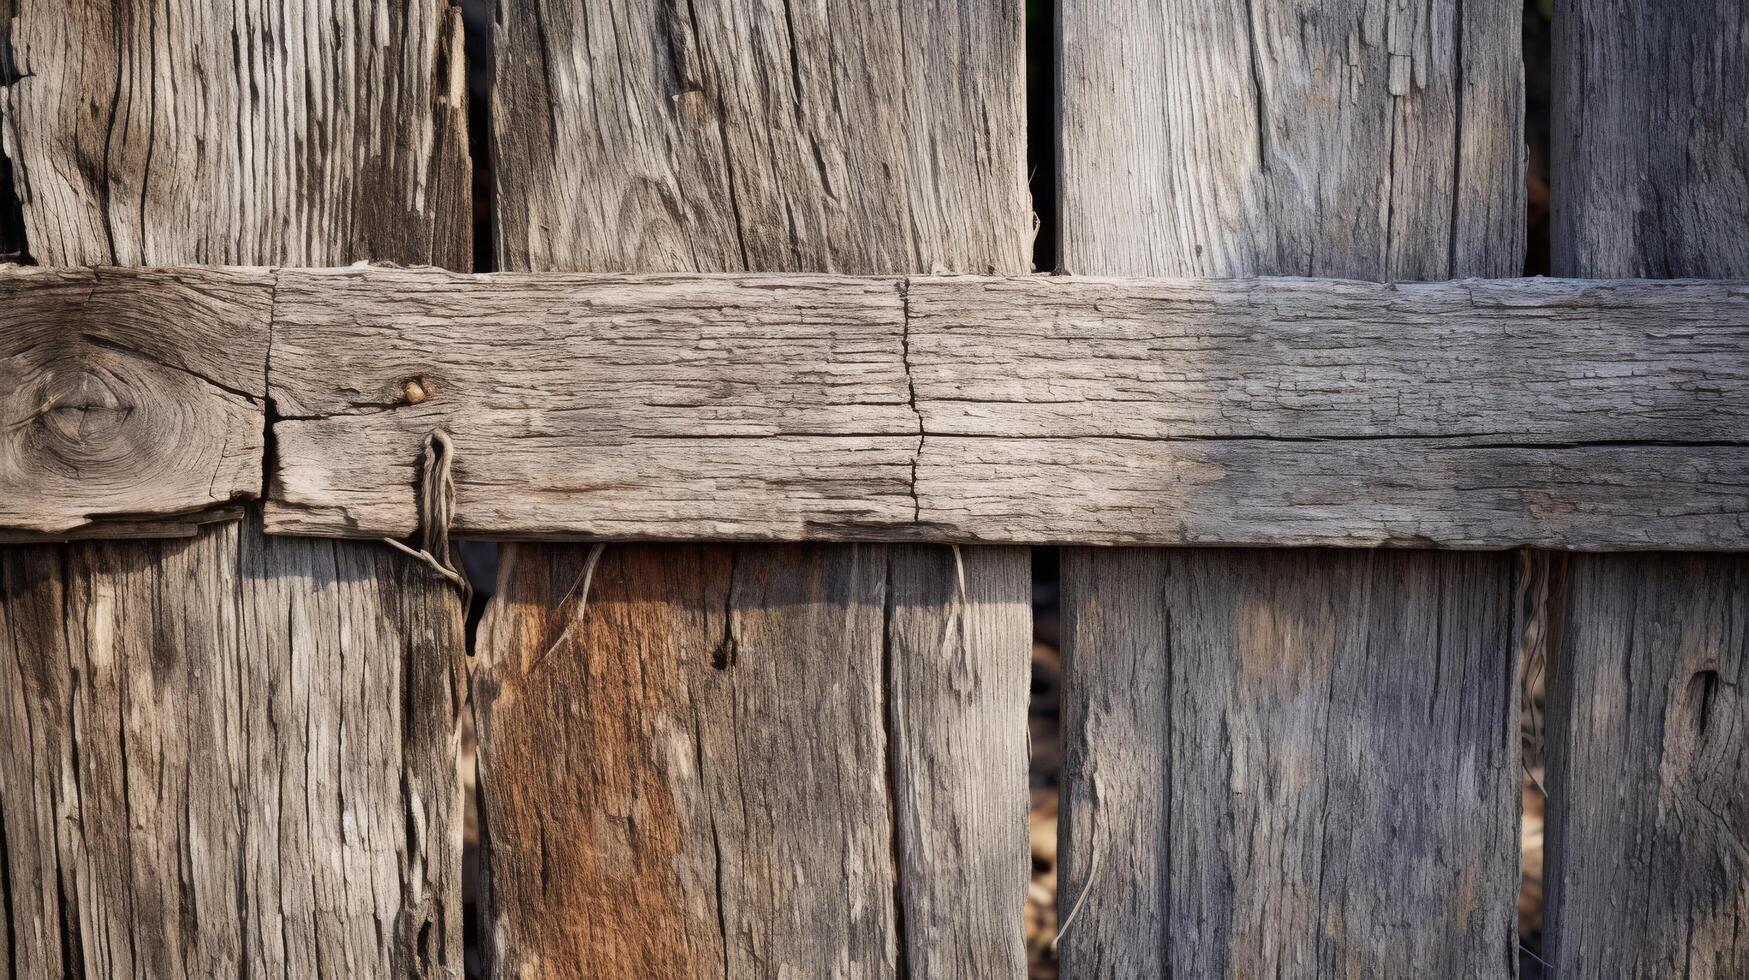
867	138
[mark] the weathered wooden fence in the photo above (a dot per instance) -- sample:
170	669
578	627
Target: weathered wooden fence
799	748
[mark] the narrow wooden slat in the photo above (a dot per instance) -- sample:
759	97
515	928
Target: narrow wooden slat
231	755
1648	837
129	392
1240	721
1647	854
957	623
869	138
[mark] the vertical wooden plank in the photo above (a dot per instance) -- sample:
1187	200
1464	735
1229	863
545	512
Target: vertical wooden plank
1648	869
236	754
1648	834
785	749
1255	729
1243	728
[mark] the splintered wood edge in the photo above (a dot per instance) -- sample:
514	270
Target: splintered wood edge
1473	414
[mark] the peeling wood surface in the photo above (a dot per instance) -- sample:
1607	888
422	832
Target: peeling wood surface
129	392
1648	732
227	756
834	763
230	754
123	529
1236	719
1244	727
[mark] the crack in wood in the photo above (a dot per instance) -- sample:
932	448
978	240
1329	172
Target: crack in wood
1020	409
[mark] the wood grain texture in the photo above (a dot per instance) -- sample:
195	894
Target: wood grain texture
1565	413
1030	409
315	132
1648	821
1291	137
128	392
226	768
1649	161
716	729
1647	814
700	407
878	138
1367	141
867	138
252	764
959	645
1407	493
1242	732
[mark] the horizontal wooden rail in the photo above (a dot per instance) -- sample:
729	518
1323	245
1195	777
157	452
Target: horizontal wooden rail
1474	414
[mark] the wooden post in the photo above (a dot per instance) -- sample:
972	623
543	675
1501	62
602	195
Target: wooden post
1245	727
707	761
1648	730
228	754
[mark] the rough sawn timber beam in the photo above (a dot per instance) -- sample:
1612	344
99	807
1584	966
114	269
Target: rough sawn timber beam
1567	414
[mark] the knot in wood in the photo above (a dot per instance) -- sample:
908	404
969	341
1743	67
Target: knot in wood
82	407
415	390
116	403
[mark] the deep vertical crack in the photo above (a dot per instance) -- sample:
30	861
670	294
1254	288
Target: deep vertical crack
1457	153
1258	103
14	245
911	392
891	729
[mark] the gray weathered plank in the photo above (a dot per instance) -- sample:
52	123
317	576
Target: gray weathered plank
1648	836
238	751
1350	139
1243	732
643	136
1276	137
129	392
1648	851
226	767
871	138
1051	410
311	132
1649	158
1554	412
